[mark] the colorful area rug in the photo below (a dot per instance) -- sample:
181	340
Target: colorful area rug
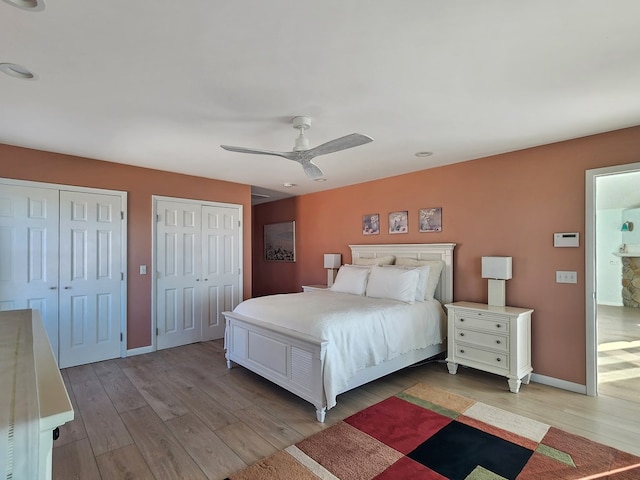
428	433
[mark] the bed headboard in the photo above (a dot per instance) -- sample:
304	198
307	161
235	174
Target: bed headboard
419	251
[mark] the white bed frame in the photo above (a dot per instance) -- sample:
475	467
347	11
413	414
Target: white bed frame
295	361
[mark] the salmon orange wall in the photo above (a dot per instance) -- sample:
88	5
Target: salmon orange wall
508	204
140	184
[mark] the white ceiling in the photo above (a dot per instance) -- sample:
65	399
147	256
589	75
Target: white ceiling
162	84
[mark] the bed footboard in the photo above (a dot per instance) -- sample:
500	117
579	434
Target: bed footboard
290	359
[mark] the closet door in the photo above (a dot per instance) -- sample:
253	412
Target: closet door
178	277
29	253
221	263
90	277
198	270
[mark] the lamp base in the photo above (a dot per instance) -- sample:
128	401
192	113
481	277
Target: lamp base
331	276
497	292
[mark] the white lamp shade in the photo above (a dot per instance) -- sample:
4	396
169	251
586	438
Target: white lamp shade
496	267
332	260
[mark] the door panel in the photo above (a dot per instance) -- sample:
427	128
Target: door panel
90	277
29	253
178	311
221	238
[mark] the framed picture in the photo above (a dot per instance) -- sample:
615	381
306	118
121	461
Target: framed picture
430	219
398	222
280	242
371	224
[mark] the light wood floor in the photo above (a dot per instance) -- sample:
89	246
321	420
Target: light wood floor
180	414
619	352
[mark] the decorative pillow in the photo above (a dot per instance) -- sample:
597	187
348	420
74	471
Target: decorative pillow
393	283
386	260
423	278
351	279
435	269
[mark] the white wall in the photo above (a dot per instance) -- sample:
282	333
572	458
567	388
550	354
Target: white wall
608	266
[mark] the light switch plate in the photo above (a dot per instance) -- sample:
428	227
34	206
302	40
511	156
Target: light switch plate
563	276
143	269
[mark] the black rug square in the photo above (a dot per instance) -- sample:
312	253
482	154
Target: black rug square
457	449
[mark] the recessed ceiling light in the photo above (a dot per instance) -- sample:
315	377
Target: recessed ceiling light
320	179
31	5
17	71
424	154
289	185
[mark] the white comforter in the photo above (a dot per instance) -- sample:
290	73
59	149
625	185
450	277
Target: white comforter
361	331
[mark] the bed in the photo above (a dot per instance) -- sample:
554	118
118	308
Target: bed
278	337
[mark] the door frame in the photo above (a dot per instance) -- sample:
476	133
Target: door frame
154	215
590	269
123	238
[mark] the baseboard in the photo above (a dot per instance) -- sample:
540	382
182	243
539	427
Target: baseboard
557	383
611	304
140	351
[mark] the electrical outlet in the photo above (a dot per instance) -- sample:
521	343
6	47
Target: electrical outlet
566	277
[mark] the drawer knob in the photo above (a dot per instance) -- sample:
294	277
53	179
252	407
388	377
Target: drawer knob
498	342
497	325
498	360
461	334
462	319
461	351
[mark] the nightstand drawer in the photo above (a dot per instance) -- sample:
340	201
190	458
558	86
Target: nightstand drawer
490	340
481	321
499	360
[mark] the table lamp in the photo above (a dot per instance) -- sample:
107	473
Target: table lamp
332	263
497	270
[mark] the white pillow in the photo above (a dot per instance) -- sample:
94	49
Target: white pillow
351	279
435	269
386	260
393	283
423	278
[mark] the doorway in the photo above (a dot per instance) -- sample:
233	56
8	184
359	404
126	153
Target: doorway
613	340
198	269
63	252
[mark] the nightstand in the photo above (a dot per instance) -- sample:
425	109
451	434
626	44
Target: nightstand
313	288
489	338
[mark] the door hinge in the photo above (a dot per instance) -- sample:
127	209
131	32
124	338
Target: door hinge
157	217
157	332
239	223
121	276
121	337
121	215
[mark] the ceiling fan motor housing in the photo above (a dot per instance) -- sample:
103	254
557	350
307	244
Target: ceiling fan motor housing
301	123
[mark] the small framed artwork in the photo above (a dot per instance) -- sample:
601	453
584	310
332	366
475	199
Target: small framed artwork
280	242
430	219
371	224
398	222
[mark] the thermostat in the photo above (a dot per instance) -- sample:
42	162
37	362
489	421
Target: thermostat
571	239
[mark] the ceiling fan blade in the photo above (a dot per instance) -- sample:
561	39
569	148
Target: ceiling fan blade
312	170
342	143
256	151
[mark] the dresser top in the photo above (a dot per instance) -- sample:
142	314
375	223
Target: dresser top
490	308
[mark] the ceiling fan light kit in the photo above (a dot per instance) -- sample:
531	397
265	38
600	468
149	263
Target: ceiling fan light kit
301	152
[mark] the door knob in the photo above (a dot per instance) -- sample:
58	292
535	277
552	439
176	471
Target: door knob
53	288
67	288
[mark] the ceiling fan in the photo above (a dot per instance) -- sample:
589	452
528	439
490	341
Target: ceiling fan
302	153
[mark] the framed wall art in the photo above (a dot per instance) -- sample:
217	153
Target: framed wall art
371	224
430	219
280	242
398	222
